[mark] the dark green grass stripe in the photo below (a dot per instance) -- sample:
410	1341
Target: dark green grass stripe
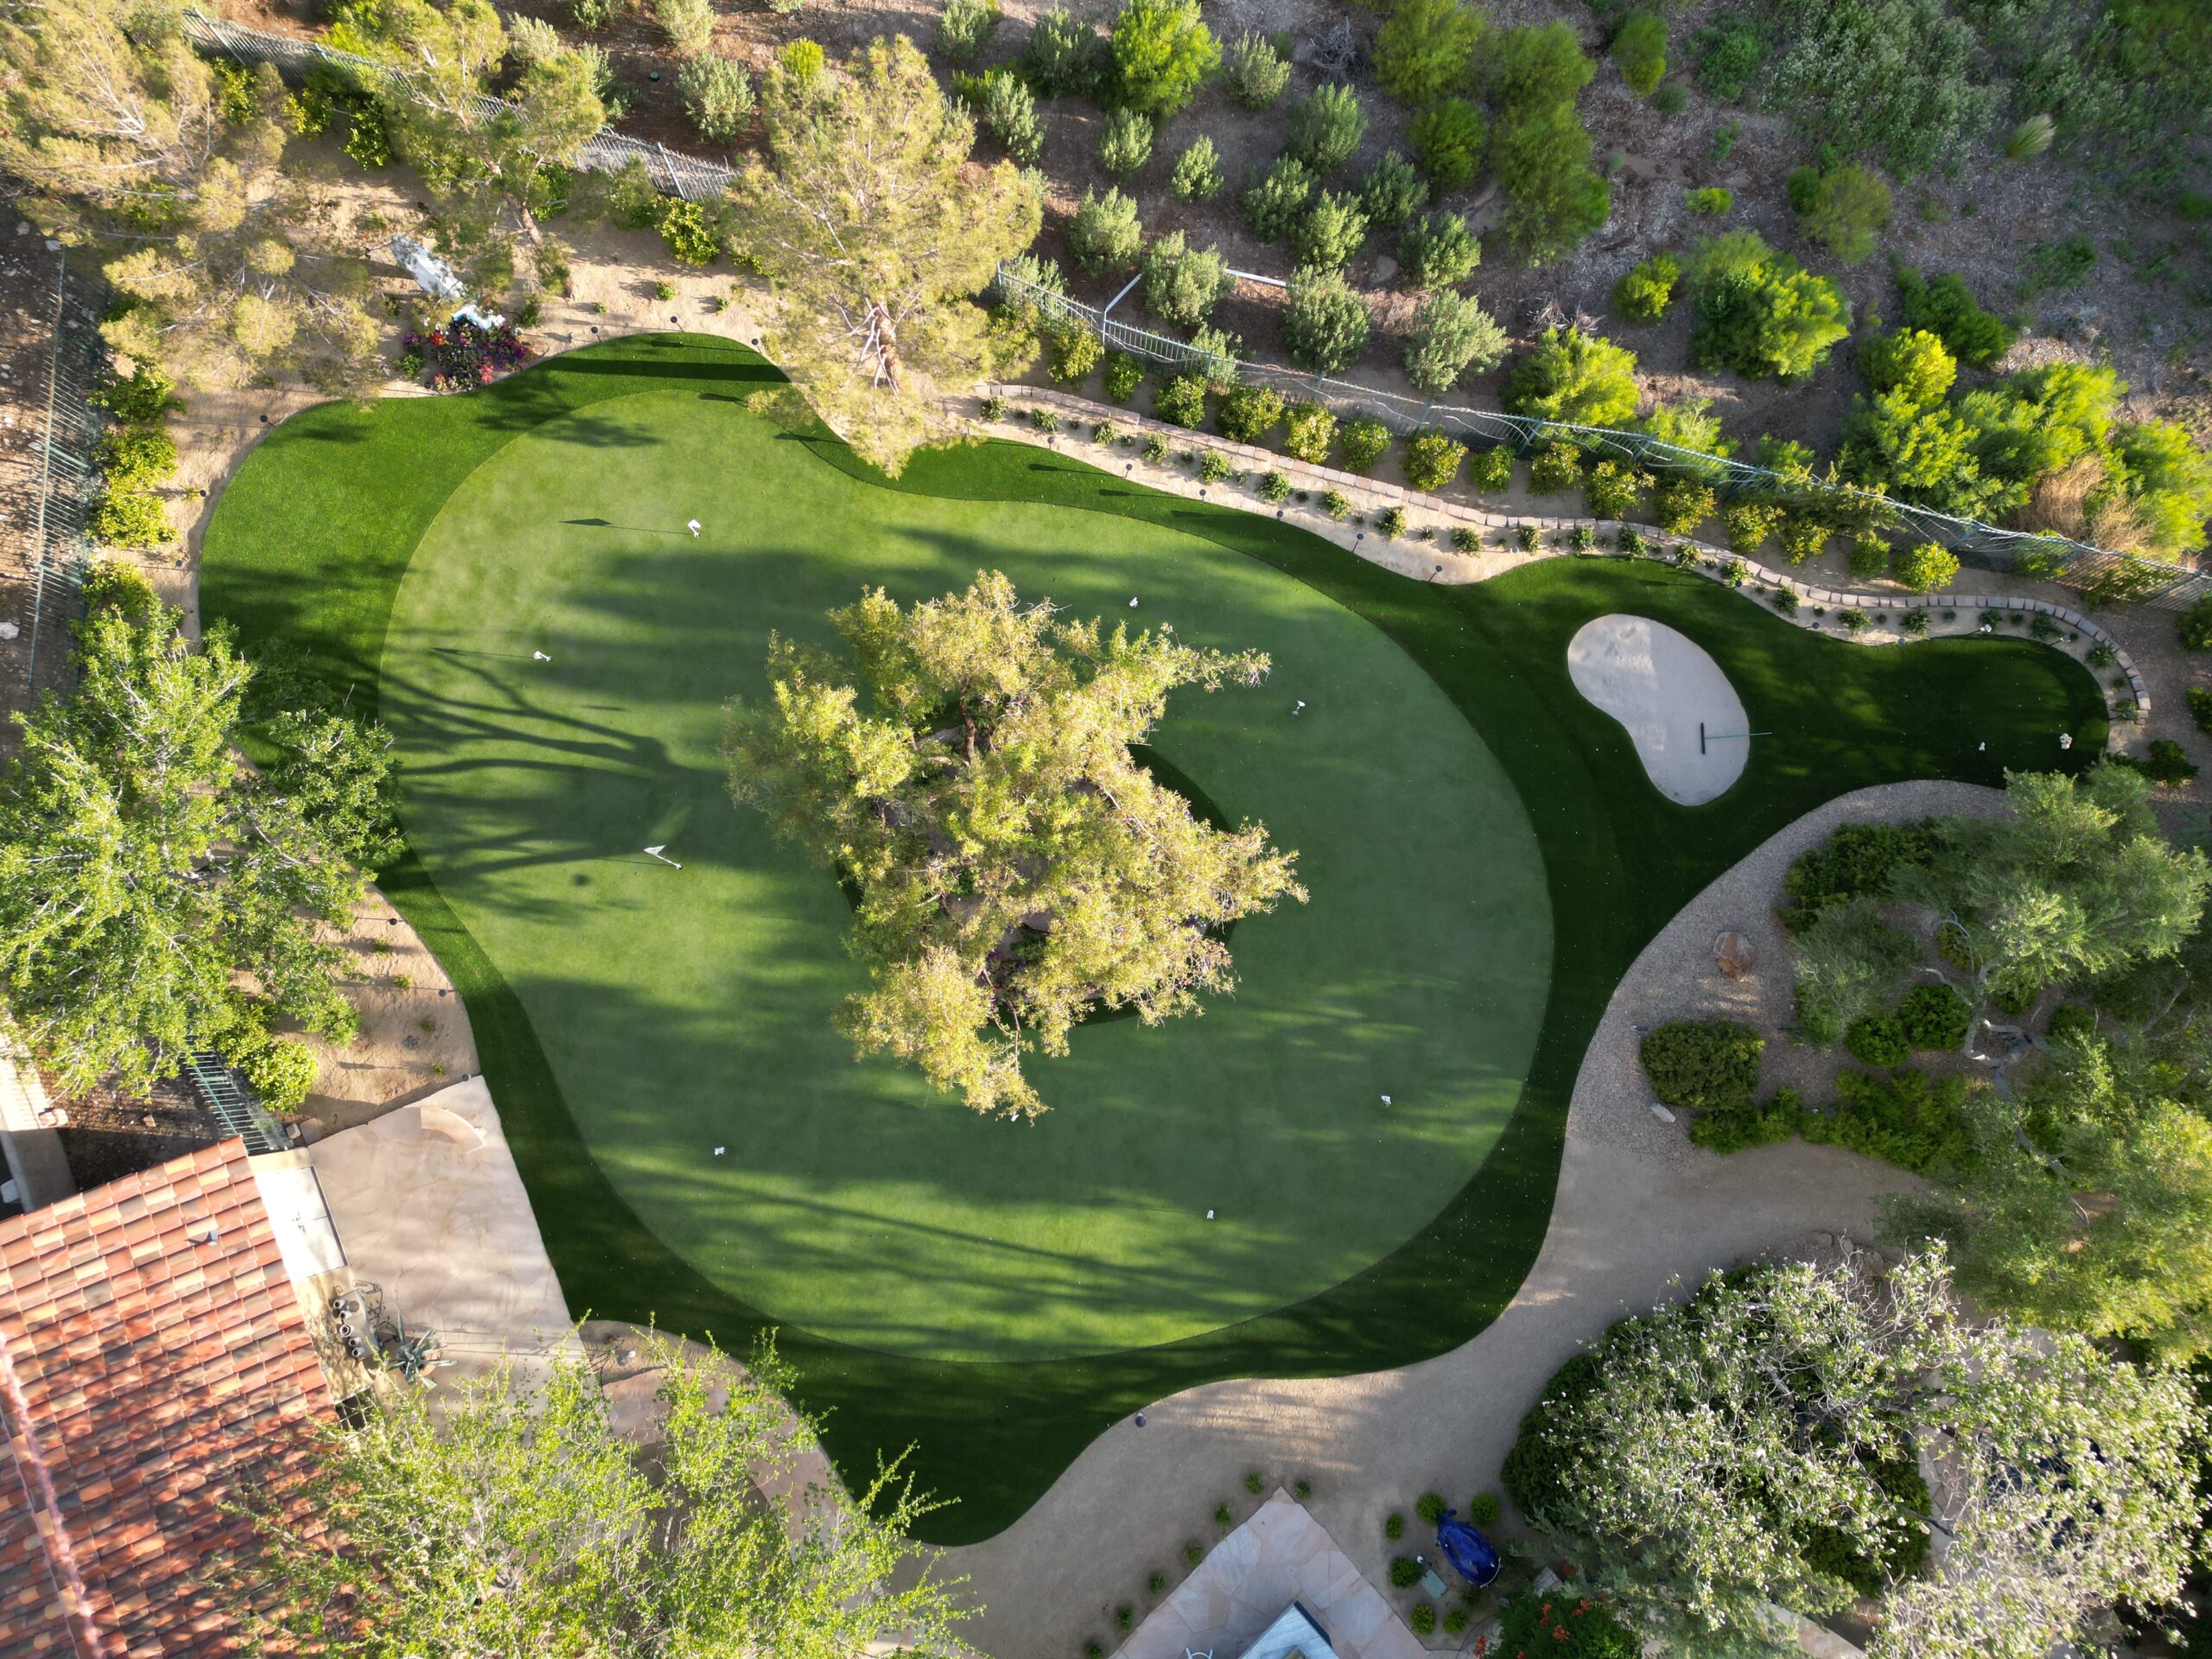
1619	861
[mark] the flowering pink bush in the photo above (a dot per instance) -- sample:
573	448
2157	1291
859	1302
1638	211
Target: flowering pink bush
460	355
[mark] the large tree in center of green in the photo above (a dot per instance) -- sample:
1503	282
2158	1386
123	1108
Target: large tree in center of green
144	869
874	228
1014	868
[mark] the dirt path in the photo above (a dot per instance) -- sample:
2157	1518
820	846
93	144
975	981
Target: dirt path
1636	1207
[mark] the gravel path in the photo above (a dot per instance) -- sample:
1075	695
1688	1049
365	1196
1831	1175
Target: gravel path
1636	1207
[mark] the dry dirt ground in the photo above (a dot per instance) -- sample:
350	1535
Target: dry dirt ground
1979	218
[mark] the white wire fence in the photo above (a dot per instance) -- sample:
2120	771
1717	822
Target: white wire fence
68	479
2104	575
672	173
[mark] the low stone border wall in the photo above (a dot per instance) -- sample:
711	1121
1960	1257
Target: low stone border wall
1426	561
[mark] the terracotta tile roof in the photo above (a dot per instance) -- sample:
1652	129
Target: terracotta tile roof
153	1358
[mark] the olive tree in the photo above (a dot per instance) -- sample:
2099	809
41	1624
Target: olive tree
1016	869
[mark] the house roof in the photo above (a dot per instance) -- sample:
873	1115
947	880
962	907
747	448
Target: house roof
153	1360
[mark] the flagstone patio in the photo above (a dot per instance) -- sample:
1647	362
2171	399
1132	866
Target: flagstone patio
1280	1555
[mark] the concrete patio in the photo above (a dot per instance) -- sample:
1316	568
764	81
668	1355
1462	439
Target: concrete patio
1280	1555
430	1206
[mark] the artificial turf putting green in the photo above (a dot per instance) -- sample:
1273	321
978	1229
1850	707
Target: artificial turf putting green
687	1011
308	548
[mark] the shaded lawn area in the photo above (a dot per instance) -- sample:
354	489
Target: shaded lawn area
1619	862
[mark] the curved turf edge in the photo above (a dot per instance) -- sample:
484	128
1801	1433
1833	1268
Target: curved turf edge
1619	862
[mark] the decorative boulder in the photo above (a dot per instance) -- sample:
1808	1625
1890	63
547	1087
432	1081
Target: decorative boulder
1735	954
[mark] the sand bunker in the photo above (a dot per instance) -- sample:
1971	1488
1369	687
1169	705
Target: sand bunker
1664	688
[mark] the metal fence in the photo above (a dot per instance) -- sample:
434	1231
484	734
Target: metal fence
672	173
69	478
2105	575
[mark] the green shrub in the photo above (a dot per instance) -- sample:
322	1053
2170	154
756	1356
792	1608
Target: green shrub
1868	556
1273	201
963	27
1909	1121
1760	314
1802	536
1482	1510
1274	489
1104	235
1914	623
1671	98
1330	233
1391	521
1640	48
1490	471
1433	460
1326	127
1923	566
1785	601
1741	1127
1728	55
717	95
1072	351
1223	1516
2057	264
1155	448
1553	198
1703	1066
1253	72
1361	444
1540	65
147	396
1430	1507
1005	108
1196	174
2200	707
1326	326
2194	626
1452	336
1934	1016
1466	538
1193	1553
1843	211
1255	1482
1405	1572
1528	537
1555	469
1181	401
1047	420
1748	523
1061	55
1645	291
691	236
1248	414
1424	48
1584	540
1898	78
1437	250
1309	429
1161	50
1614	489
1125	142
1679	504
1393	191
2071	1020
1421	1620
136	457
1105	433
1394	1527
128	518
1124	374
1945	308
282	1072
1182	284
1573	377
1713	201
1455	1621
1446	139
1337	504
2165	762
1876	1039
1535	1469
994	408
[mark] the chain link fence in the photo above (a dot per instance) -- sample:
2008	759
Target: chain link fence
68	479
2107	576
672	173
